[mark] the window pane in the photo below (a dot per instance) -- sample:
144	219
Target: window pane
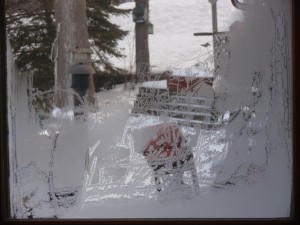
188	115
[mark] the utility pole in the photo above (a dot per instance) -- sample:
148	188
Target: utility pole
125	73
219	55
214	27
141	19
214	32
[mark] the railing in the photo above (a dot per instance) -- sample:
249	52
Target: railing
185	109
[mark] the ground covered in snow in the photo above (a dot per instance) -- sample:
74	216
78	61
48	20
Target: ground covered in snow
117	181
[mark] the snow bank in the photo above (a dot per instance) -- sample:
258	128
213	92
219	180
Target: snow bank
190	72
162	84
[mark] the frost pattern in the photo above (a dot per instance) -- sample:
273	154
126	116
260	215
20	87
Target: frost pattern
175	138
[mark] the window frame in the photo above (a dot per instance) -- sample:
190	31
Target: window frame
4	191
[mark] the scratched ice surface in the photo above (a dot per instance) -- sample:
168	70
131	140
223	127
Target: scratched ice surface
179	145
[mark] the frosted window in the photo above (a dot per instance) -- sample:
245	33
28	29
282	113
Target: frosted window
207	134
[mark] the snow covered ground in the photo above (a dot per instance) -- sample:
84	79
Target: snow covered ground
118	183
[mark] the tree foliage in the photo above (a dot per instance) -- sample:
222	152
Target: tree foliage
104	34
31	30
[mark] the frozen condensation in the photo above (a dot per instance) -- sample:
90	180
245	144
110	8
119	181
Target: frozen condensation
193	142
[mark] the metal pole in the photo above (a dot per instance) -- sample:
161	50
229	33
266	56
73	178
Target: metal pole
214	33
125	72
214	28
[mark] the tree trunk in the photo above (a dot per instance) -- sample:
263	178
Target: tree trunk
142	46
72	32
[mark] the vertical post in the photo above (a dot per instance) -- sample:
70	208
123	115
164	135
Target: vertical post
214	33
214	28
125	72
142	46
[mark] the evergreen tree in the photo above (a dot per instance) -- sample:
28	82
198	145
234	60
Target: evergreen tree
104	34
31	30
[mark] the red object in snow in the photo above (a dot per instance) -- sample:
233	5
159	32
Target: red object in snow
166	143
166	154
178	83
166	149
